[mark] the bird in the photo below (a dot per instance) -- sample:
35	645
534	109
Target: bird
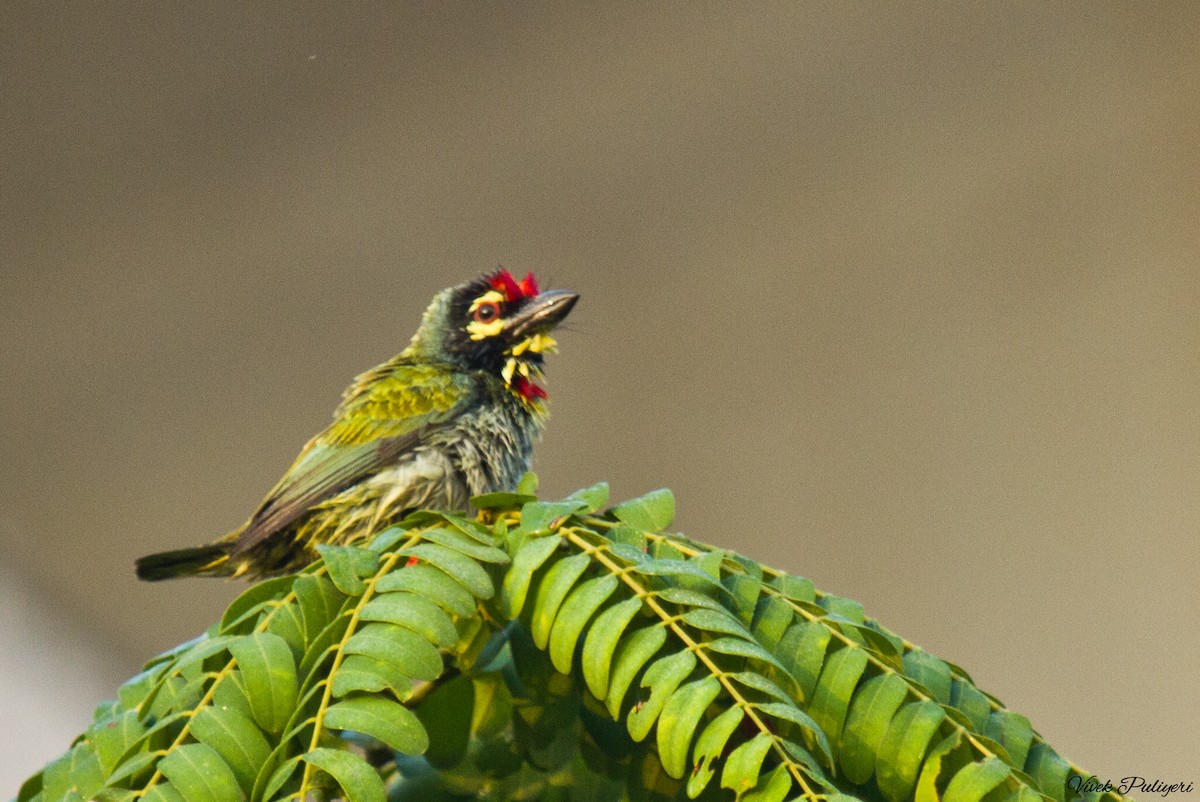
453	415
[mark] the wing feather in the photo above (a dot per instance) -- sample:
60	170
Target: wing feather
389	411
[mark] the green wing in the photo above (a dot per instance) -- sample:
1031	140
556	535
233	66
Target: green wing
385	412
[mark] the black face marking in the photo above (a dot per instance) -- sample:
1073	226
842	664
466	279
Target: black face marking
485	353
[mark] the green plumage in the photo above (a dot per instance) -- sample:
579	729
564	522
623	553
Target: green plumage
453	415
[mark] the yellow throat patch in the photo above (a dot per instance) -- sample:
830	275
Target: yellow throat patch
537	344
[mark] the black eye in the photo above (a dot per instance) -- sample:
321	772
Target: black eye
487	312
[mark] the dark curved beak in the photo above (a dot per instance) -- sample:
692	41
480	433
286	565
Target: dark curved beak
543	312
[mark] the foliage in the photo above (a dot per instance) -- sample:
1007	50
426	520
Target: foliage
548	650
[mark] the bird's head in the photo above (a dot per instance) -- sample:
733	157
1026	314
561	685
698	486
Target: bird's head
498	325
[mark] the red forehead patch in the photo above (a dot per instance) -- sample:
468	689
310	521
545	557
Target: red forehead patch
512	290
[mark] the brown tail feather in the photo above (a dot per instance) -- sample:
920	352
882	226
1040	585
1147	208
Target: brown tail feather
211	560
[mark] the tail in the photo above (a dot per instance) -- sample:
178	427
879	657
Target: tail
211	560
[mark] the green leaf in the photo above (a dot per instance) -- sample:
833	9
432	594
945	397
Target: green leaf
757	682
163	731
528	484
163	793
648	782
269	674
971	701
410	653
358	780
388	538
627	552
879	644
1026	793
200	651
432	583
552	591
200	775
796	588
652	512
111	737
359	672
679	719
870	714
278	778
904	746
494	704
348	565
742	766
173	694
576	612
446	715
745	592
687	599
632	653
947	756
120	795
1013	732
662	677
831	698
931	672
501	501
320	649
320	602
960	718
236	739
710	745
137	688
624	535
287	621
740	647
710	562
593	498
526	561
472	528
716	621
459	542
383	719
539	517
1049	770
600	643
412	612
78	771
772	788
128	770
976	780
681	571
793	714
30	789
845	608
510	725
469	573
772	616
479	645
802	651
251	599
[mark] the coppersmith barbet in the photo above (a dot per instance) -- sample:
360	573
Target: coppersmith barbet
454	415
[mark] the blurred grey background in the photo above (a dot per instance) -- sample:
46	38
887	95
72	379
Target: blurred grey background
903	301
